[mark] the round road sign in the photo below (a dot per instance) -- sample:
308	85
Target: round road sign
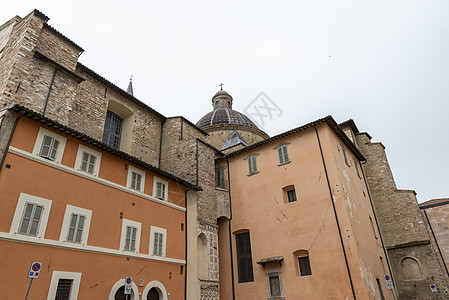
387	277
36	267
128	280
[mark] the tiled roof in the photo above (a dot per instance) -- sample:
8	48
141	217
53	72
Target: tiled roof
434	202
234	139
223	116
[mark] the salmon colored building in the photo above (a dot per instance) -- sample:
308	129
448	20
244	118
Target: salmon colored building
90	214
309	231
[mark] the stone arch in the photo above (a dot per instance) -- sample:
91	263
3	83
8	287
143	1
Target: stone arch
158	286
118	285
202	256
411	268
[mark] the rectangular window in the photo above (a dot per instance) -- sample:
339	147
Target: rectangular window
158	243
344	154
49	148
112	130
304	266
130	241
356	164
283	155
64	289
252	164
160	190
244	258
275	285
88	163
136	181
291	195
30	219
221	177
76	228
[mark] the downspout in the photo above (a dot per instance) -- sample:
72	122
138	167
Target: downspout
160	143
185	266
335	214
10	139
436	242
230	233
387	258
49	90
197	161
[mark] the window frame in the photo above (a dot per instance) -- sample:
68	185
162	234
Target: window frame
131	170
247	257
69	211
20	210
129	223
221	177
153	231
299	265
106	137
250	158
273	274
155	188
40	139
76	277
79	159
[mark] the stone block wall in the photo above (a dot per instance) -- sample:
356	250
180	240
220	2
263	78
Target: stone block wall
414	262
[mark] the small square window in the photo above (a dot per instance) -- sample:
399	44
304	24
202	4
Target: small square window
136	179
304	266
88	160
160	188
291	196
49	145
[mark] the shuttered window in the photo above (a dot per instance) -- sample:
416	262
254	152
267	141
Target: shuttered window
283	155
304	266
76	228
49	147
158	243
64	289
31	218
112	130
221	182
136	181
88	162
244	259
130	241
252	164
160	190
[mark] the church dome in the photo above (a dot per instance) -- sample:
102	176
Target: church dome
225	116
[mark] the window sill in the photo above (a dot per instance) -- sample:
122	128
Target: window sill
221	189
284	163
253	173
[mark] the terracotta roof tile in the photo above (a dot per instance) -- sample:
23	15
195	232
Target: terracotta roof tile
434	202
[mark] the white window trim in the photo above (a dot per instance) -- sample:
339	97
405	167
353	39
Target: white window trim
138	225
79	159
69	210
159	286
132	169
40	138
23	199
162	231
155	180
76	277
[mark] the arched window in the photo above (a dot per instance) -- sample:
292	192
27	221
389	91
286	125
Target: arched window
153	294
217	104
411	269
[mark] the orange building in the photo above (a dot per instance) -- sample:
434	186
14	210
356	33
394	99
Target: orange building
91	214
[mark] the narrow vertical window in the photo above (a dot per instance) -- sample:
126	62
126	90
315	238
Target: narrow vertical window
304	266
283	155
356	164
252	164
112	130
344	154
274	285
130	241
158	243
76	228
372	227
244	258
49	147
221	181
160	191
64	289
30	219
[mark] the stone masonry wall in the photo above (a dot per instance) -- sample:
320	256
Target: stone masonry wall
402	228
7	119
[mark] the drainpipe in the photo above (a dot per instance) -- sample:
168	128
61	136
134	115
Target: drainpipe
185	266
335	214
230	233
10	139
49	90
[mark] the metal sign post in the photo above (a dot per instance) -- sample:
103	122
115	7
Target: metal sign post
128	283
390	285
35	271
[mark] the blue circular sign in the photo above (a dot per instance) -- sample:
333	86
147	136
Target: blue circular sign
128	280
36	267
387	277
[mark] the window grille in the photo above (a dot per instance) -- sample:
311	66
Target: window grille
64	289
221	178
304	266
112	130
244	258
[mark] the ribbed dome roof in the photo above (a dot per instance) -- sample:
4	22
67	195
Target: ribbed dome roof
223	116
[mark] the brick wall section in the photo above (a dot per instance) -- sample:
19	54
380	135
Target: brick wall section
402	225
439	221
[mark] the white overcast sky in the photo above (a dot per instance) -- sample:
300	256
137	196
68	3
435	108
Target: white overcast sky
384	64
